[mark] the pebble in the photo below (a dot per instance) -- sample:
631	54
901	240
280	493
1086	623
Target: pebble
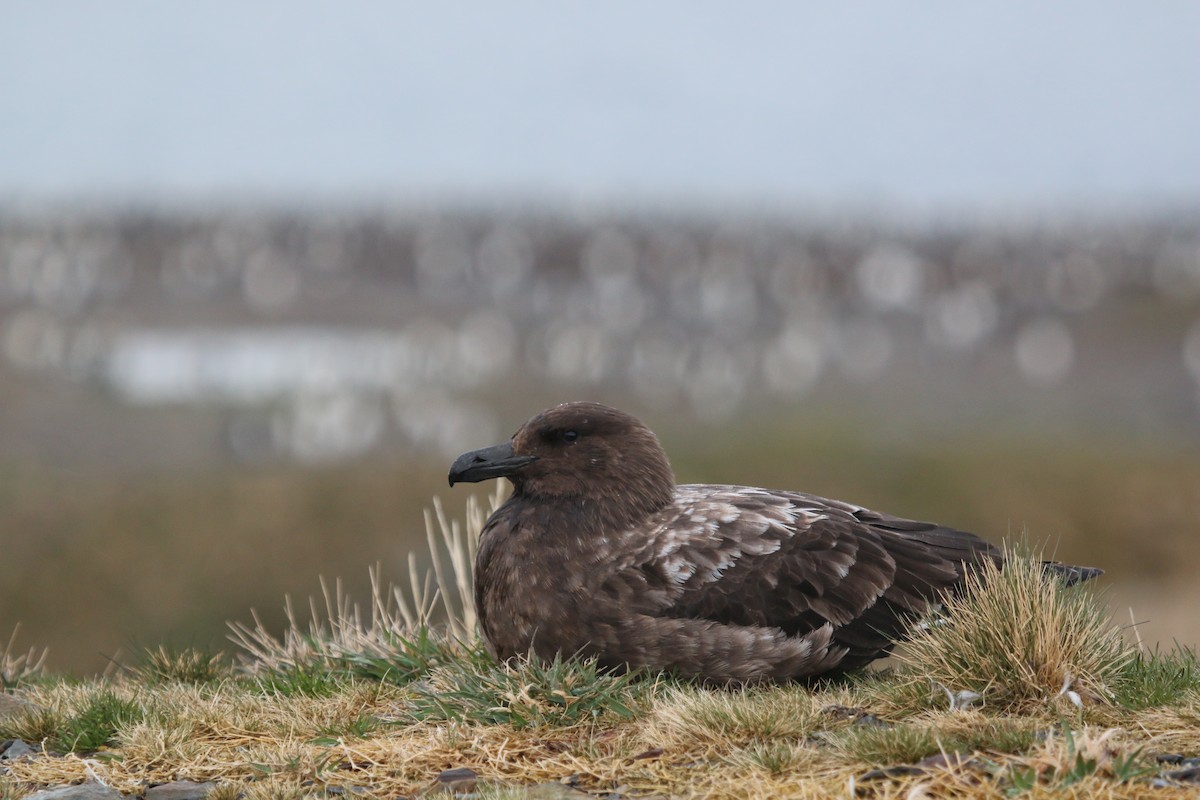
83	791
12	749
1187	775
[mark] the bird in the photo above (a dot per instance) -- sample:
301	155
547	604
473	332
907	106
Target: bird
599	553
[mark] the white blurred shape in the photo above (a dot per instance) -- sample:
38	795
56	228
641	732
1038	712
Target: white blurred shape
331	425
64	282
256	366
443	261
891	277
1045	351
504	259
487	347
657	367
22	262
716	381
1177	269
793	362
963	316
577	353
195	271
441	424
728	299
615	302
35	340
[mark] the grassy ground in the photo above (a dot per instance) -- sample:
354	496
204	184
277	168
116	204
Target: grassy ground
1023	688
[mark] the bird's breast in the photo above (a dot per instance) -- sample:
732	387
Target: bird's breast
529	589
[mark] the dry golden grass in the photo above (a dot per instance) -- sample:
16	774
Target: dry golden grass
377	702
1016	636
691	742
16	666
338	629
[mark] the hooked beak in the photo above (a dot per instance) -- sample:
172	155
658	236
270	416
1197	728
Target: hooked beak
490	462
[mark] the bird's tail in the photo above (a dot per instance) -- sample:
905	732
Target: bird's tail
1071	575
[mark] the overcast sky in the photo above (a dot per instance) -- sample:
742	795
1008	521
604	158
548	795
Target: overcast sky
917	105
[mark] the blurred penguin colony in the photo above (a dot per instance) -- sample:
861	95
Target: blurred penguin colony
320	338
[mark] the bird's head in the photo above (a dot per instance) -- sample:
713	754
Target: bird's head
578	452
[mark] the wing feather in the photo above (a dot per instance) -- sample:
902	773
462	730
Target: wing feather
797	562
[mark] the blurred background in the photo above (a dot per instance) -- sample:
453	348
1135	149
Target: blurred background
266	267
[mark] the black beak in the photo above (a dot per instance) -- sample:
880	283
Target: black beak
490	462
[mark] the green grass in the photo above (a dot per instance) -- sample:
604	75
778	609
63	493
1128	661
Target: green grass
526	693
166	664
911	742
94	724
1155	678
306	680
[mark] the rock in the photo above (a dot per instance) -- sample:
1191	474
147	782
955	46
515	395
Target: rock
938	761
950	760
1187	775
180	790
91	790
460	780
900	771
14	749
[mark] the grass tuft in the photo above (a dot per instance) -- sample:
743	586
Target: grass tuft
1018	636
776	758
1086	757
407	631
913	741
18	668
1154	679
164	664
688	717
99	722
901	744
527	693
95	723
305	680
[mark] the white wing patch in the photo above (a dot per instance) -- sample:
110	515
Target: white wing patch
707	530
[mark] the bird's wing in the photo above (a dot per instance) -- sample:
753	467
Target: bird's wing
793	561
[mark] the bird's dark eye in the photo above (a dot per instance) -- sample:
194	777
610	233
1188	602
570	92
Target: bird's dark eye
570	436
